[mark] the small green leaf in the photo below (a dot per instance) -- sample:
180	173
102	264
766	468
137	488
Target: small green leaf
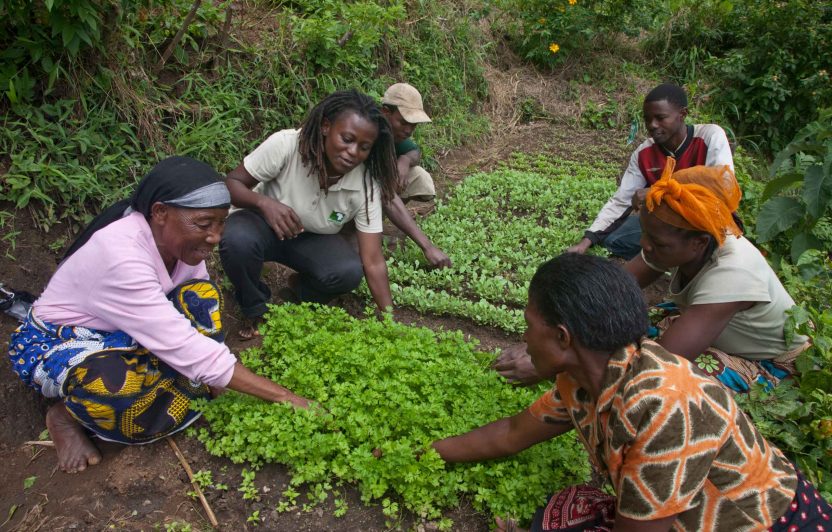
29	482
12	509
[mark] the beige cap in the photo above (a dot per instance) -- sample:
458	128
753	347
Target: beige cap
408	101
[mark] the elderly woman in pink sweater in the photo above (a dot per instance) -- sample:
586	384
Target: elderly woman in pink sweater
128	330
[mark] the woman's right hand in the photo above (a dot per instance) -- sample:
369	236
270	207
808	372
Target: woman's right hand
298	401
244	380
581	247
283	220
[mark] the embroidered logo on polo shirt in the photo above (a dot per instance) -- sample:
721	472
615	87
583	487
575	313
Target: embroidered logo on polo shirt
337	217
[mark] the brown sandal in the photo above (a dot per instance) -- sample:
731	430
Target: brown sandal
250	329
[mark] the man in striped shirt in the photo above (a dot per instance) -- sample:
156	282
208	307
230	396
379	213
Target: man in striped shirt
665	107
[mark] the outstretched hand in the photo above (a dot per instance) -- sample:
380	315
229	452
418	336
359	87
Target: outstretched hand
581	247
515	364
298	401
437	258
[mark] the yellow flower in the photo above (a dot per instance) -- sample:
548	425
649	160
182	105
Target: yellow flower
573	2
542	21
554	47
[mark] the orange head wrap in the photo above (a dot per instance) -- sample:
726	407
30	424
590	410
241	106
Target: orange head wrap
699	198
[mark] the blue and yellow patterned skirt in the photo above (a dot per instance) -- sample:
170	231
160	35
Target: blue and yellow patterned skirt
110	384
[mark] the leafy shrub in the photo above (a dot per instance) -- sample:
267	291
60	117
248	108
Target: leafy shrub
389	390
766	61
798	200
547	31
66	163
37	38
334	34
797	417
497	228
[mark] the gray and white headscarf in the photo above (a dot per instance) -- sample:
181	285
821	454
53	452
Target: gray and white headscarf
178	181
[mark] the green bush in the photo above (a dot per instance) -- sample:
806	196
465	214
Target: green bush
64	163
548	31
39	38
765	62
389	390
218	95
797	213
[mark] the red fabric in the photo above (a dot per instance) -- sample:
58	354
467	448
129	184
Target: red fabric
651	160
577	508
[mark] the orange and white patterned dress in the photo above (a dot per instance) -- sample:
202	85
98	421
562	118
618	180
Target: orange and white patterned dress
672	441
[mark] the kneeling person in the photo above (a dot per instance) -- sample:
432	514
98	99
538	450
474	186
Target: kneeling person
672	442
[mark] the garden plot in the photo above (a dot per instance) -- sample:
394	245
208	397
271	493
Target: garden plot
498	227
389	390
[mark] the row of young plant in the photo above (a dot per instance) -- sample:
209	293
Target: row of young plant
385	391
497	227
93	94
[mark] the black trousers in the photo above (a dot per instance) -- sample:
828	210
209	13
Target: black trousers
328	265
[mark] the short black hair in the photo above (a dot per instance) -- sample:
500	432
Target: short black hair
670	92
597	301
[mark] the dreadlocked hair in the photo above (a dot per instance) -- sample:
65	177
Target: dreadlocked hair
380	165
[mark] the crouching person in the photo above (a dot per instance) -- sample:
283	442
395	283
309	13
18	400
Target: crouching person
128	330
671	441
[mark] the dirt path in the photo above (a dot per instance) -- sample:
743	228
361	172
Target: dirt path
140	488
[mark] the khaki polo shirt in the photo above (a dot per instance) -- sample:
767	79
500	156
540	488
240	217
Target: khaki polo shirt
277	165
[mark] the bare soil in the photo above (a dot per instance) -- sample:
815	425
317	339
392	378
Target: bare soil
145	487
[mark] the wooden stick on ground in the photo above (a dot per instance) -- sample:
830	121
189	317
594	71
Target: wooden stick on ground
179	34
211	517
41	443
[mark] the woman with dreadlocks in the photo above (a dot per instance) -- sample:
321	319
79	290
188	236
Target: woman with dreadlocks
295	192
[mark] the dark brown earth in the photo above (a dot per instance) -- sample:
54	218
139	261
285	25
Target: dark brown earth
145	488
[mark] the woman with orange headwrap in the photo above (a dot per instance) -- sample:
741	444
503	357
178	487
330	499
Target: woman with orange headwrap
732	305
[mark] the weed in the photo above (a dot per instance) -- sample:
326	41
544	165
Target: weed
247	487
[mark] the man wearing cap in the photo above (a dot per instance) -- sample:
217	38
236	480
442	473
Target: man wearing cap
402	105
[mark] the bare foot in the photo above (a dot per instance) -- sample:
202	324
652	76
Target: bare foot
75	450
507	525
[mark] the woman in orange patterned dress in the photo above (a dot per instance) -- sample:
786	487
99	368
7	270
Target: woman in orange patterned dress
672	443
